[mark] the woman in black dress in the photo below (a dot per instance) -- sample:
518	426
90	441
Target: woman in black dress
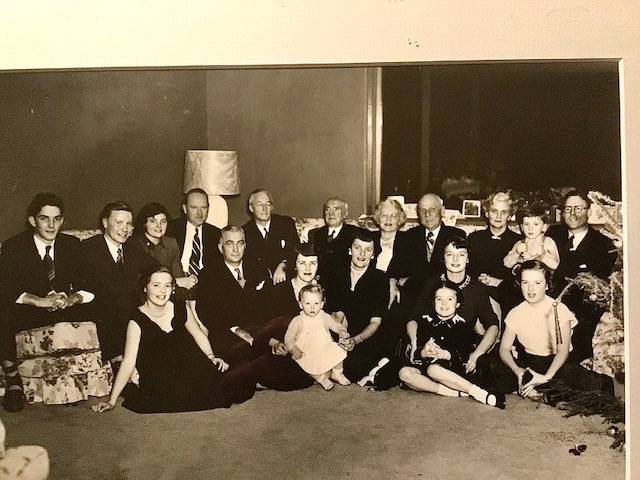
177	367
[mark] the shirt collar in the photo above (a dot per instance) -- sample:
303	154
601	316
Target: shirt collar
191	229
232	269
435	231
42	247
578	237
336	230
262	227
113	247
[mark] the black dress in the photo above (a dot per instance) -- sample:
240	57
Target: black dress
175	375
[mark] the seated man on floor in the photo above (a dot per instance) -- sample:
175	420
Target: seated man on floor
40	273
271	238
332	241
358	295
231	288
112	265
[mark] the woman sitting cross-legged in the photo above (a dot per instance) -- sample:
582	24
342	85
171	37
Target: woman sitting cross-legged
177	366
445	340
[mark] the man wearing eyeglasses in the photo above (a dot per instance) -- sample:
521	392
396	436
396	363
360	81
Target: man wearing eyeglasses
582	249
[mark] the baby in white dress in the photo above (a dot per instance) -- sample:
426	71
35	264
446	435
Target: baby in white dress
310	343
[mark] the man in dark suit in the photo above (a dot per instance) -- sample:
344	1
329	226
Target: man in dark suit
271	239
582	249
230	293
112	266
40	275
332	241
198	240
426	242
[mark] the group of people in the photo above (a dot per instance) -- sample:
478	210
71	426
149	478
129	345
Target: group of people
204	317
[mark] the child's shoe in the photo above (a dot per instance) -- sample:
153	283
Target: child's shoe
338	377
326	383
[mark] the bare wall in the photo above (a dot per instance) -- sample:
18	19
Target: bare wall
301	133
96	136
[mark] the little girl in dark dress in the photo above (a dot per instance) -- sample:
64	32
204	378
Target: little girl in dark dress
444	341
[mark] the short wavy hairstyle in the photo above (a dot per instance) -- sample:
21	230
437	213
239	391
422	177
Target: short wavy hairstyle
390	202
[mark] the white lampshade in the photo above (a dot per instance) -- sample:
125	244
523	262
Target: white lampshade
215	171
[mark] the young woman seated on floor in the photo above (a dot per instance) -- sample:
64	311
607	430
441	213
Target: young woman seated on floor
177	366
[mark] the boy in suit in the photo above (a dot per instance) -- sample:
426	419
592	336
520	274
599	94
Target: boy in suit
112	266
40	274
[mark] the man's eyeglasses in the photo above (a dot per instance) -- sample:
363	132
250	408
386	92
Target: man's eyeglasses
575	209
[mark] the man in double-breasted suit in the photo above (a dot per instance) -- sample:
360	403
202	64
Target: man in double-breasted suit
582	249
40	278
271	239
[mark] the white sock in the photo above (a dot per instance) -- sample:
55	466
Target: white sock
482	395
447	392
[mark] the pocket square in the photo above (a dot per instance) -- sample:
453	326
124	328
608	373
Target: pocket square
260	285
283	243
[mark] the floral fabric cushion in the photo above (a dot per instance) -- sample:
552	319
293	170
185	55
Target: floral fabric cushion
62	363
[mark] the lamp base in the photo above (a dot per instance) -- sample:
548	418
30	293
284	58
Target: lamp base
218	211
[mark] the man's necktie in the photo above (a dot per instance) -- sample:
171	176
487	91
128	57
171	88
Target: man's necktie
331	236
48	261
430	243
119	257
570	244
265	232
196	255
239	278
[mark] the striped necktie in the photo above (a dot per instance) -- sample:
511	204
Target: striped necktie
239	278
120	257
48	261
196	255
430	244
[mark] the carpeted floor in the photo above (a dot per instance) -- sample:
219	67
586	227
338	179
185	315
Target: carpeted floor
311	434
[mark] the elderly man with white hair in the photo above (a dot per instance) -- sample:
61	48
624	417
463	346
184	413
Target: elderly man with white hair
426	242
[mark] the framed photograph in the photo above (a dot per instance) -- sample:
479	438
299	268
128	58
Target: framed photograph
471	208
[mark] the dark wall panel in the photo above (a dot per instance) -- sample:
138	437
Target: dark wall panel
96	136
300	133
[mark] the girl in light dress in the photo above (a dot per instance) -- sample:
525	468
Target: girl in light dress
309	341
